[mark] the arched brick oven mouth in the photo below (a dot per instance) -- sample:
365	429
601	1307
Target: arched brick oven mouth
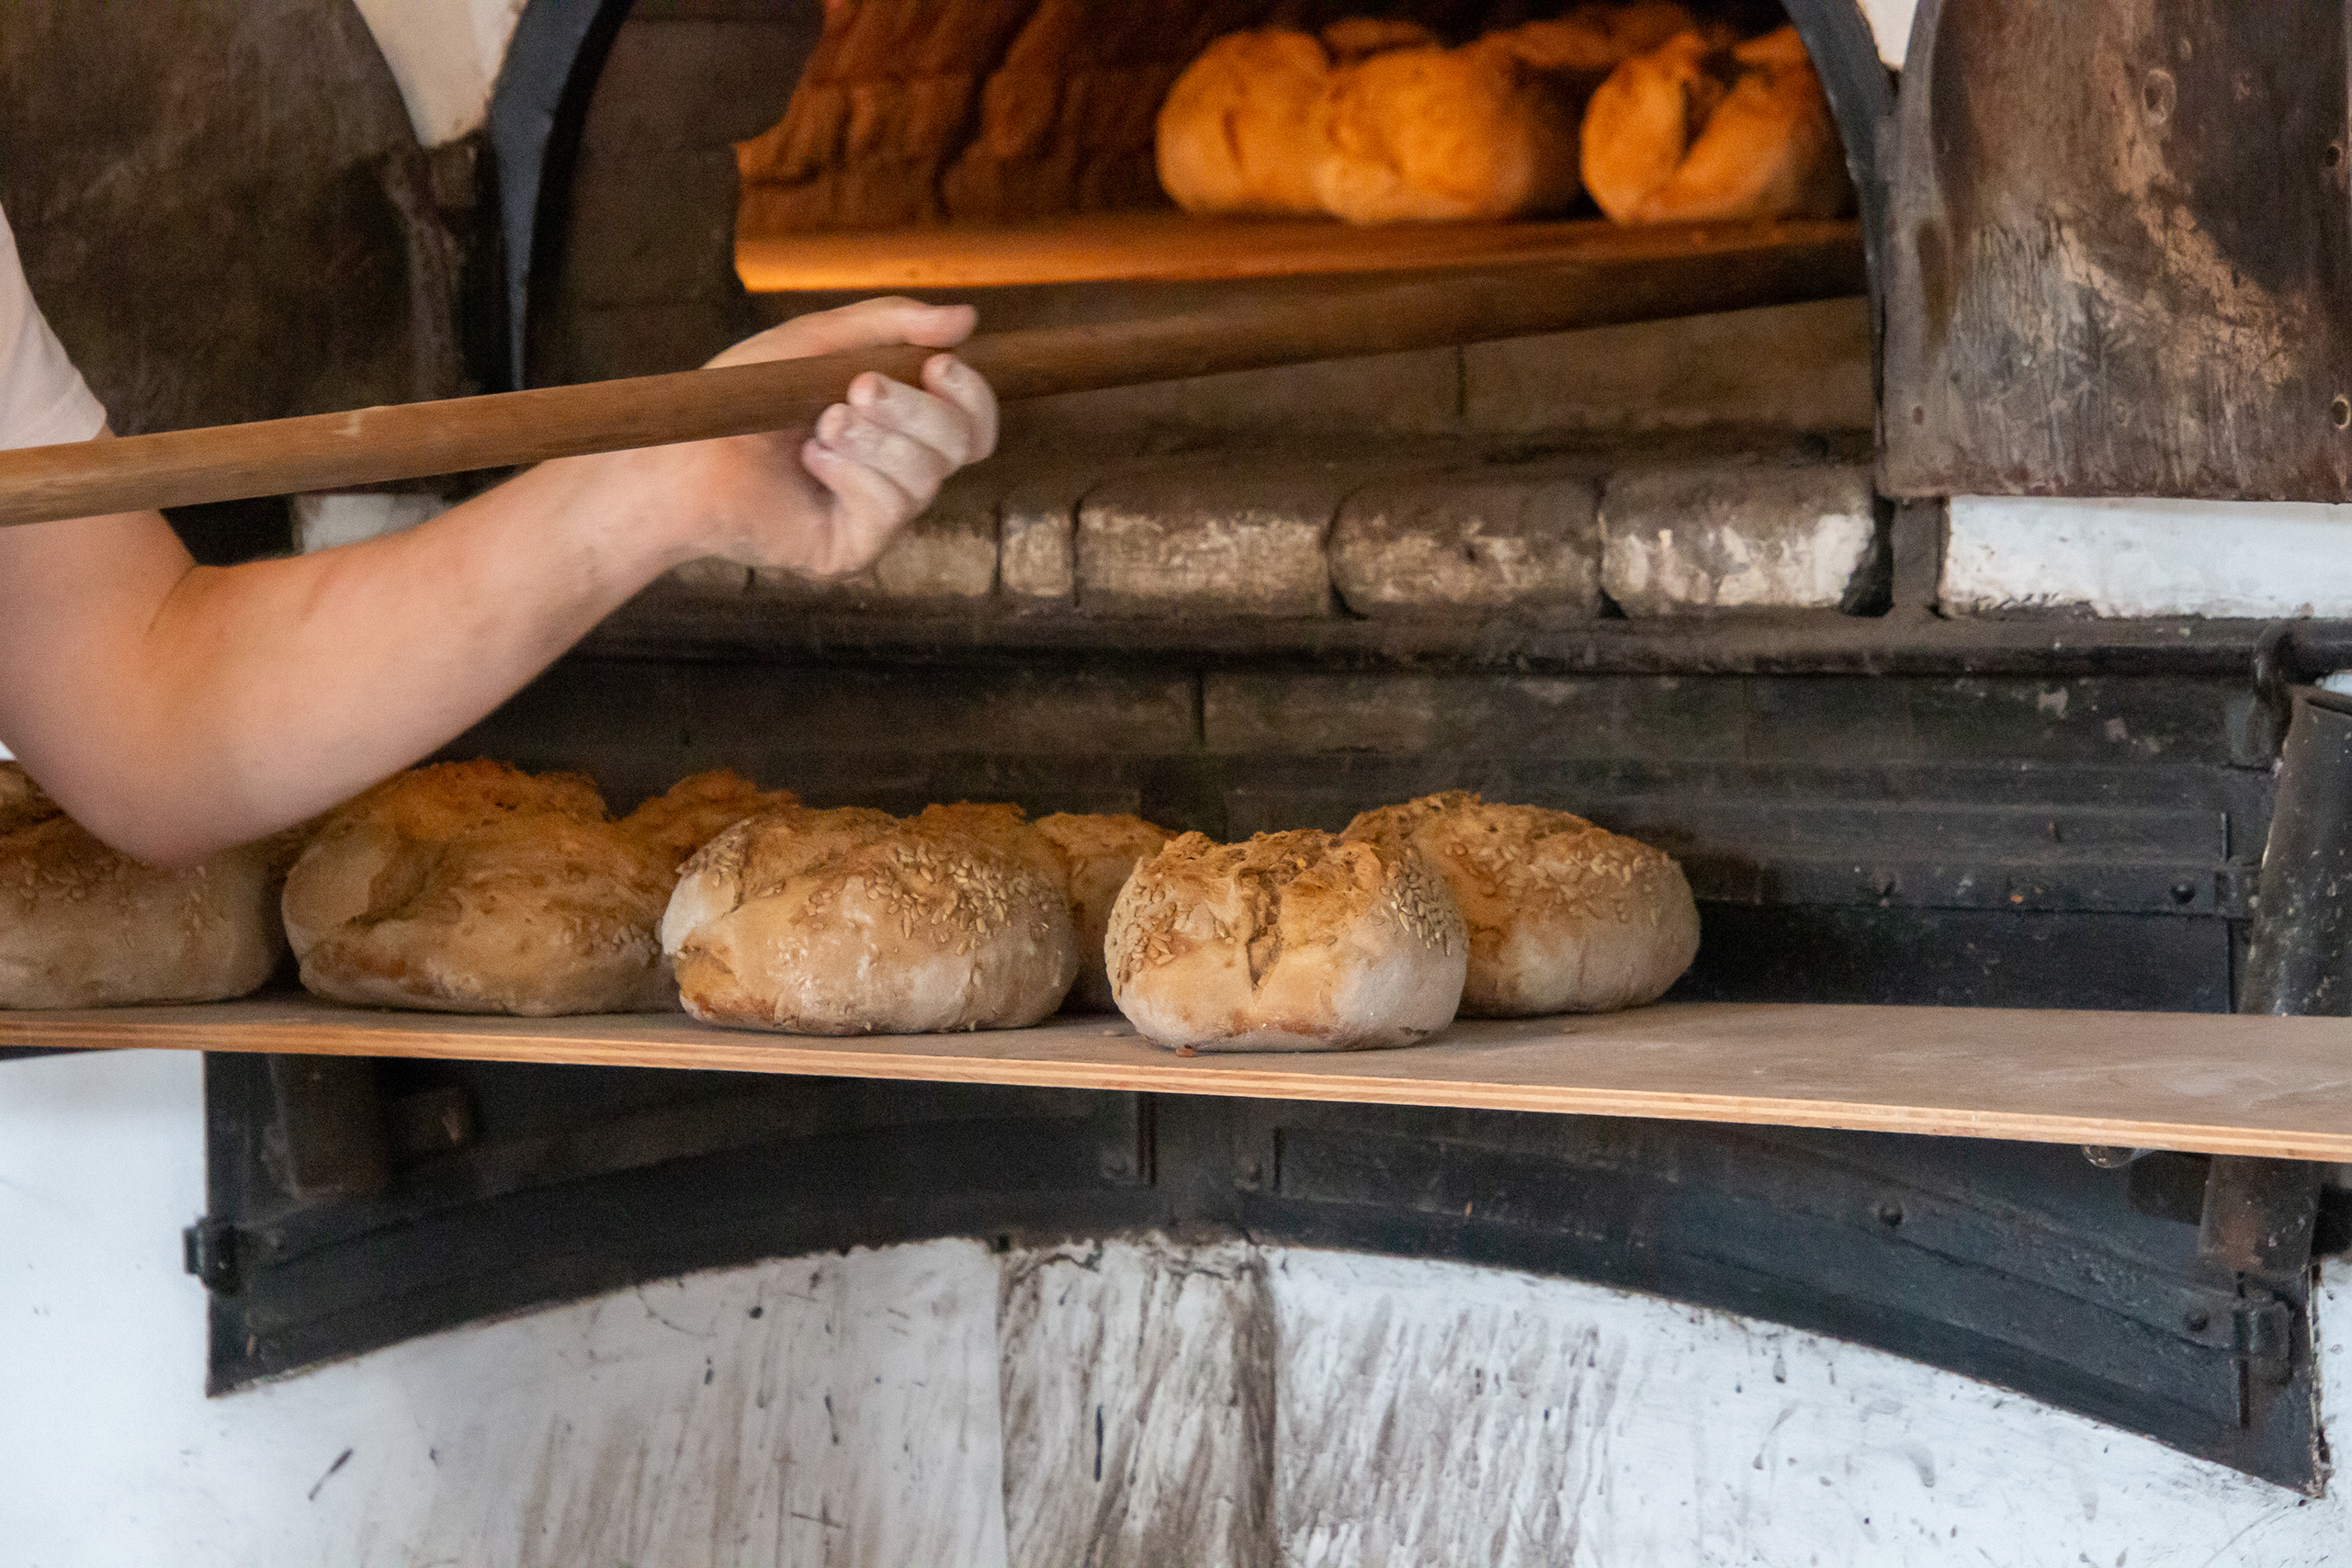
502	1188
546	105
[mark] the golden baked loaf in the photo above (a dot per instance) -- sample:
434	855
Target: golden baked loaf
1692	131
1098	855
82	926
474	888
1563	916
1241	130
858	922
1291	942
1427	134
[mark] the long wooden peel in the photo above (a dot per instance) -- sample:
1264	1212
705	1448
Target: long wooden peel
1666	273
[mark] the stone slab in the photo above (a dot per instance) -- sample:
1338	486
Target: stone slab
1233	536
1481	540
1736	536
2128	557
1037	538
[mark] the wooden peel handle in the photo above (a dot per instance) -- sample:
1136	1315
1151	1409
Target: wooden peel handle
1700	271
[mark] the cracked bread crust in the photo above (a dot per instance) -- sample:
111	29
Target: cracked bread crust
474	888
1291	942
1098	854
857	922
1563	916
82	926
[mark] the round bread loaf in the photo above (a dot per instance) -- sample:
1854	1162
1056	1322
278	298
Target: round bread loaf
857	922
1291	942
1693	132
1098	855
474	888
1240	130
1443	134
82	926
1563	917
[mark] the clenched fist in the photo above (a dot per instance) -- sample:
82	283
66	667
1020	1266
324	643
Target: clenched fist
824	501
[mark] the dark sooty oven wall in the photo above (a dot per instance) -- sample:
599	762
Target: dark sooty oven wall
2083	841
1936	836
2078	840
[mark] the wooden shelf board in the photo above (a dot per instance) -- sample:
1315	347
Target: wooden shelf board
2274	1086
1169	247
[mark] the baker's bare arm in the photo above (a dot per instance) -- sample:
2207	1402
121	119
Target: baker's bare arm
176	709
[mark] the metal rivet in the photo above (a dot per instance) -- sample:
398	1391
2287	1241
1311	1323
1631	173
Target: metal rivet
1890	1215
2184	892
2199	1320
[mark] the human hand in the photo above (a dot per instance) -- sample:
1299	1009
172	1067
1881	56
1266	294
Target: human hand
824	501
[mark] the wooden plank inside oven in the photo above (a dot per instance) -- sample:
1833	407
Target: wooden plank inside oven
2278	1088
1170	247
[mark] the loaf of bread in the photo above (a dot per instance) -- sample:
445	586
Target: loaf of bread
857	922
1291	942
1098	854
1563	916
1421	134
474	888
1241	129
1592	40
1692	131
82	926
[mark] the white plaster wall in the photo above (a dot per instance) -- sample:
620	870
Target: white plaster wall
1891	25
1608	1428
856	1419
2117	557
839	1410
445	54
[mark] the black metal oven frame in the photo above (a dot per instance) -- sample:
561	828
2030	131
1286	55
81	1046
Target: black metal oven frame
1889	807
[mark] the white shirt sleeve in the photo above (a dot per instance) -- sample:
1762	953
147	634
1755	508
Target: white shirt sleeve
43	400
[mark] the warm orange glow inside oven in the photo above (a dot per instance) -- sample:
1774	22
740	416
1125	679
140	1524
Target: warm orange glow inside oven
1022	141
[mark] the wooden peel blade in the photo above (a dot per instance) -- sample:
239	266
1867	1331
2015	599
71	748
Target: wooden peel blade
1645	275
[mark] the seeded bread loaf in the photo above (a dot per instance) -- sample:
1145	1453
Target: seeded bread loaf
1563	916
1291	942
82	926
1098	854
474	888
857	922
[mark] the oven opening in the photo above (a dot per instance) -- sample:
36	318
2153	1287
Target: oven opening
1653	572
991	145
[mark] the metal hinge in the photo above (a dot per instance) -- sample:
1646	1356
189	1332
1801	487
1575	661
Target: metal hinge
208	1249
2264	1331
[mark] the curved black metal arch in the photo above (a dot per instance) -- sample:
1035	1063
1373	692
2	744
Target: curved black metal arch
1862	95
536	111
559	49
2021	1265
